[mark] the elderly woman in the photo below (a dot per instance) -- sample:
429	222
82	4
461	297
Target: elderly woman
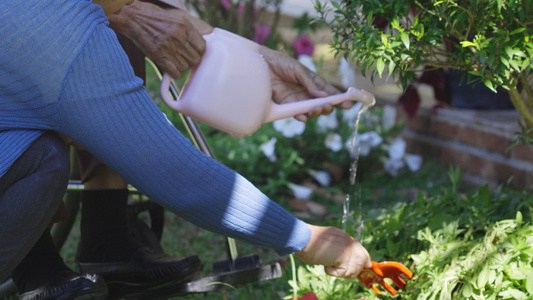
63	70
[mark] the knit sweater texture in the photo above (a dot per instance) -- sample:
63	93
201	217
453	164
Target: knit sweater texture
62	69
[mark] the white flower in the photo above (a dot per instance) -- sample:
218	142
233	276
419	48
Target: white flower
365	141
398	158
413	162
397	149
349	115
389	117
347	73
333	142
268	149
372	138
393	165
300	191
289	127
321	177
307	61
325	122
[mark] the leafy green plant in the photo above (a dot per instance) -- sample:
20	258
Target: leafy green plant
491	40
460	246
495	266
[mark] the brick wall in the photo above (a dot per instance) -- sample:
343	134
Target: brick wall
477	141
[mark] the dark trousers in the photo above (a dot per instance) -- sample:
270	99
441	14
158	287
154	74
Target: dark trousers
30	193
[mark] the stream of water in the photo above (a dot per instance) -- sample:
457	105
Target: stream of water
350	213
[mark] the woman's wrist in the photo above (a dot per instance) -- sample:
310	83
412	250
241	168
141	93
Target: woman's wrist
123	21
112	6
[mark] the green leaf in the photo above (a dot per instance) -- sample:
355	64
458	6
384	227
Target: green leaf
516	274
488	83
529	283
491	277
392	65
500	4
380	65
519	218
395	23
518	30
483	278
336	5
513	294
467	290
467	44
405	39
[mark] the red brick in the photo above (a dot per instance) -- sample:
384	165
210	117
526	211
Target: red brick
497	143
504	172
420	123
481	166
471	136
524	152
451	156
528	180
417	146
431	151
445	130
412	143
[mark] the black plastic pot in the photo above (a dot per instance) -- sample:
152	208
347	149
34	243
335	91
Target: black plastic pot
476	96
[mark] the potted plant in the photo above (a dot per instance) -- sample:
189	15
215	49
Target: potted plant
490	41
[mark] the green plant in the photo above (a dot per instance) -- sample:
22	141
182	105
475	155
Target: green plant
460	246
491	40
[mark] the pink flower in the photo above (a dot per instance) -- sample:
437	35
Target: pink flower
303	45
226	4
262	31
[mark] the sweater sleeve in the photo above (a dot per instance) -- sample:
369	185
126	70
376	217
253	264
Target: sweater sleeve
105	108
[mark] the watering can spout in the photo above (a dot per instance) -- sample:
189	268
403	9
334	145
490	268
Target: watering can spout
281	111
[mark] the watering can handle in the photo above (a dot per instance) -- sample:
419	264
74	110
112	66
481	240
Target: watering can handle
164	90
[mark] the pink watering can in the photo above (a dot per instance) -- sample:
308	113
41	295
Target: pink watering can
230	89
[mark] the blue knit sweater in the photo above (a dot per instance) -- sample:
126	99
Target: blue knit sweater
61	68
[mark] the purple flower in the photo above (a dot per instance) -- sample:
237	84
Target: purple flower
303	45
226	4
241	8
262	31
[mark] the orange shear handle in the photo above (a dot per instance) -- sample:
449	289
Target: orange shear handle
388	269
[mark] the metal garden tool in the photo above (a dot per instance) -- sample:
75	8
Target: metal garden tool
381	270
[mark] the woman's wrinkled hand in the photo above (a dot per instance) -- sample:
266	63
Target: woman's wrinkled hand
339	253
291	81
166	36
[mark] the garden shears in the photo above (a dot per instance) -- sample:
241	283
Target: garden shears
388	269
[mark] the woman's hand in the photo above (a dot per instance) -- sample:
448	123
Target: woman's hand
291	81
341	254
165	35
